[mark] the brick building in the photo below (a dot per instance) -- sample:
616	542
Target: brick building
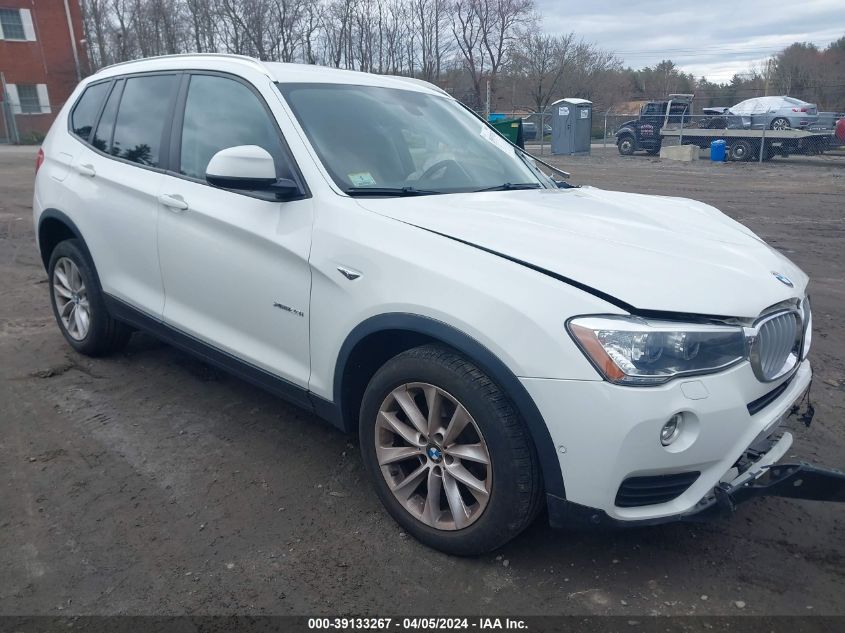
42	57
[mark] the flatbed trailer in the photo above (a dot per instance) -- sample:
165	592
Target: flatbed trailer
746	144
659	121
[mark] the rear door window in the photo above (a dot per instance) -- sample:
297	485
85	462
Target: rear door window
87	108
145	108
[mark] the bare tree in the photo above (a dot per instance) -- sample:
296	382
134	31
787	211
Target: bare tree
543	59
430	18
312	18
467	30
95	24
502	20
485	32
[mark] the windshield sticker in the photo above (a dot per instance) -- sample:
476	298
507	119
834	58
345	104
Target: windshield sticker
497	140
361	179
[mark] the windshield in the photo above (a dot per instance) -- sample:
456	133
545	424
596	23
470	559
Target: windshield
392	141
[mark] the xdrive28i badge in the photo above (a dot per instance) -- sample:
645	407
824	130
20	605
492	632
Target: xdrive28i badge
783	279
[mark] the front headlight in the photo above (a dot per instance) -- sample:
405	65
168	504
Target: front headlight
637	351
808	327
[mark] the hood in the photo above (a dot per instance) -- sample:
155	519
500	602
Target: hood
653	253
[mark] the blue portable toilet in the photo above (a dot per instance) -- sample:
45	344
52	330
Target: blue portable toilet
572	124
718	151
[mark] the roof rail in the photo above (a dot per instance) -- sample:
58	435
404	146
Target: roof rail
252	61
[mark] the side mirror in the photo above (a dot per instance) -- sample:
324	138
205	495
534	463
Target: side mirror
248	167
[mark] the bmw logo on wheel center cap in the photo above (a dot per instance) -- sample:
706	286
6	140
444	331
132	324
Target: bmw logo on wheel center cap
783	279
434	453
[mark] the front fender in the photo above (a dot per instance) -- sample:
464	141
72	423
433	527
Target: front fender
488	362
626	131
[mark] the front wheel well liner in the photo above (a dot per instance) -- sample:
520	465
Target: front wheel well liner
380	338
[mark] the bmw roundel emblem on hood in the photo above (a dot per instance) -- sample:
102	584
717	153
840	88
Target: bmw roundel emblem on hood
783	279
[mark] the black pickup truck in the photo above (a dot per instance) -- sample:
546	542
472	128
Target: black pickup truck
643	133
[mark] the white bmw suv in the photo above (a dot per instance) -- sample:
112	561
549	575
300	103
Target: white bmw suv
371	250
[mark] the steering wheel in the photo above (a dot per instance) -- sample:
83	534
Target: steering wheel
440	165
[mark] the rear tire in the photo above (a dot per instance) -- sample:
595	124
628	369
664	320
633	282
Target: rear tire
497	501
79	305
741	150
780	123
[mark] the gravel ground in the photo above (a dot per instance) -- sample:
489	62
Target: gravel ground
149	483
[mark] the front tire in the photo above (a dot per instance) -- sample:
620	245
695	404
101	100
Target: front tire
626	145
448	454
78	304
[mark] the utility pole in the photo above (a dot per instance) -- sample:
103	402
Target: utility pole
72	35
768	67
487	103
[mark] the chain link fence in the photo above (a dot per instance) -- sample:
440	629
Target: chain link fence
25	128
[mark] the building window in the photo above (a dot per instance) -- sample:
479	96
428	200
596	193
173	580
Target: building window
28	98
16	24
12	25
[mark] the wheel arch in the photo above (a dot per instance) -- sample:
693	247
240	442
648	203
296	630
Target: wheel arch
374	341
54	227
626	131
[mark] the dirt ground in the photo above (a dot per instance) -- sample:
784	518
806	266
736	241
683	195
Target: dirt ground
149	483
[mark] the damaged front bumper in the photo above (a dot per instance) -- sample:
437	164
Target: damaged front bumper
757	474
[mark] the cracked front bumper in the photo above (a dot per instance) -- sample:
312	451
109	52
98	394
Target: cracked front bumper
607	439
757	474
792	481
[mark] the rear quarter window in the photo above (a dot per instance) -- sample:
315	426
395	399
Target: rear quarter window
85	112
103	133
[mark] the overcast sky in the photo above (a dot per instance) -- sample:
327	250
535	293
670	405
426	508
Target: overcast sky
715	39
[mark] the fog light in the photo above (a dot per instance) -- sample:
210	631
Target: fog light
672	429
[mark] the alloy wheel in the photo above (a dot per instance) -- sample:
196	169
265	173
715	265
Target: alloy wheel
433	456
71	298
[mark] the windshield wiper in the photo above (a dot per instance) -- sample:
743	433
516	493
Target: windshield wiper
511	186
389	191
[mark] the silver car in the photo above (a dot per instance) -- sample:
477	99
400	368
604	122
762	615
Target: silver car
775	113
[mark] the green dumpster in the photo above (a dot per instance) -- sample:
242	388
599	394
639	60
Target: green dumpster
511	129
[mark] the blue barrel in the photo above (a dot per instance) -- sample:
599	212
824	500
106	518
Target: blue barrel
718	151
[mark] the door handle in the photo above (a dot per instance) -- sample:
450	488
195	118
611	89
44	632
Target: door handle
86	170
174	202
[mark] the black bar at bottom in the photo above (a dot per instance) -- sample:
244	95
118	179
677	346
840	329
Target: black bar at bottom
523	624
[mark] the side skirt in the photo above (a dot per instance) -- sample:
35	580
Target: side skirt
276	385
